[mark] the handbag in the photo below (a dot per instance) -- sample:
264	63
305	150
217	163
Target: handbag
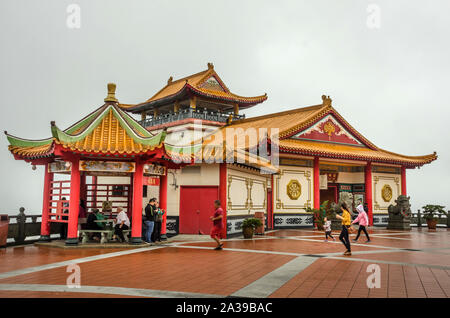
351	229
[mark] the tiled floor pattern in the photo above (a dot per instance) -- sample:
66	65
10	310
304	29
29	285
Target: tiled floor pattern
412	264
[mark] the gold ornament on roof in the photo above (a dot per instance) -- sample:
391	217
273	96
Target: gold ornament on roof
111	93
294	189
386	193
326	100
329	128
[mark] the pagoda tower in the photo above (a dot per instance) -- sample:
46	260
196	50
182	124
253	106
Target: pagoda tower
183	105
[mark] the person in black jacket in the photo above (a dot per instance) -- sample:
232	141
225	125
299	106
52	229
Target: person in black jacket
150	219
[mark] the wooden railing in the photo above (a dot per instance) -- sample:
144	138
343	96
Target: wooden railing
189	113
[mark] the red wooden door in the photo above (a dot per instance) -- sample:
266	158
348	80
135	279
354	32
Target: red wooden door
196	207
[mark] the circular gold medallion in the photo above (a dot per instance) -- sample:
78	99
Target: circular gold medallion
386	193
294	189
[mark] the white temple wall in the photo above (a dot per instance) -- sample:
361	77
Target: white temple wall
282	202
379	181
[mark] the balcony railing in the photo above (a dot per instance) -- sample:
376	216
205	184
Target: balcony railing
189	113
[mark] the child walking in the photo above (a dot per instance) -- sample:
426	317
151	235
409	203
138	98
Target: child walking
327	226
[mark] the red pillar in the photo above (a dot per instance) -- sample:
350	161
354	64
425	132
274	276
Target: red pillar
136	226
403	180
83	194
94	192
316	182
74	203
45	224
368	181
163	203
223	194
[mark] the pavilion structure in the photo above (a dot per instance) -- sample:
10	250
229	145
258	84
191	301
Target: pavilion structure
201	96
107	142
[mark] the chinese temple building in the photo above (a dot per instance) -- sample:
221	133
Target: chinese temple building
321	157
193	146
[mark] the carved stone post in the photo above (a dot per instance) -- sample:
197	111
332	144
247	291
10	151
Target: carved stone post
21	218
419	219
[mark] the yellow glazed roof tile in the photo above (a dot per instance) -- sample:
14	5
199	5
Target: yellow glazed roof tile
108	137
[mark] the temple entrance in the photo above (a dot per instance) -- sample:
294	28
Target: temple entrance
196	207
330	194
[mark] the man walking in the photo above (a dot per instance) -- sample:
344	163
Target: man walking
149	219
216	231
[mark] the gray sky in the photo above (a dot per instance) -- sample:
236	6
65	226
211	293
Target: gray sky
390	83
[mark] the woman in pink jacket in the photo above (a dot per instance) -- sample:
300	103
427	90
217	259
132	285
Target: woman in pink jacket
363	221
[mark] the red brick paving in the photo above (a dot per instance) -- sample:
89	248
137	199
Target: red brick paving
224	272
339	278
287	245
410	257
176	269
39	294
13	258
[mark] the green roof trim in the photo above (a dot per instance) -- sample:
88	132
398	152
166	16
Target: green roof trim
183	150
150	140
132	122
83	122
20	142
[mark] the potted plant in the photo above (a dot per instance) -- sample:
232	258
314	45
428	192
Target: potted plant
249	225
429	212
319	215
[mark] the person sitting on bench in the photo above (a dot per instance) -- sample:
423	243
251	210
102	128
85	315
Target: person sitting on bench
92	225
122	223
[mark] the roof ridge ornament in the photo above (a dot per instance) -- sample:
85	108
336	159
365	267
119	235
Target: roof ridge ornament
210	66
326	100
169	81
111	97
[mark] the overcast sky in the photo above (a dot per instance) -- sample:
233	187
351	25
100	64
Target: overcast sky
391	83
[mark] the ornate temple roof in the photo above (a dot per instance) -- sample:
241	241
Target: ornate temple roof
112	132
317	130
205	84
107	130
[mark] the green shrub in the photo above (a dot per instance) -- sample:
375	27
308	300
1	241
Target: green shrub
430	210
320	214
251	222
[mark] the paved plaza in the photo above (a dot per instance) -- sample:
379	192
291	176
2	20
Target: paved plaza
281	264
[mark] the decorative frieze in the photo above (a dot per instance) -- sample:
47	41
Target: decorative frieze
293	220
107	166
